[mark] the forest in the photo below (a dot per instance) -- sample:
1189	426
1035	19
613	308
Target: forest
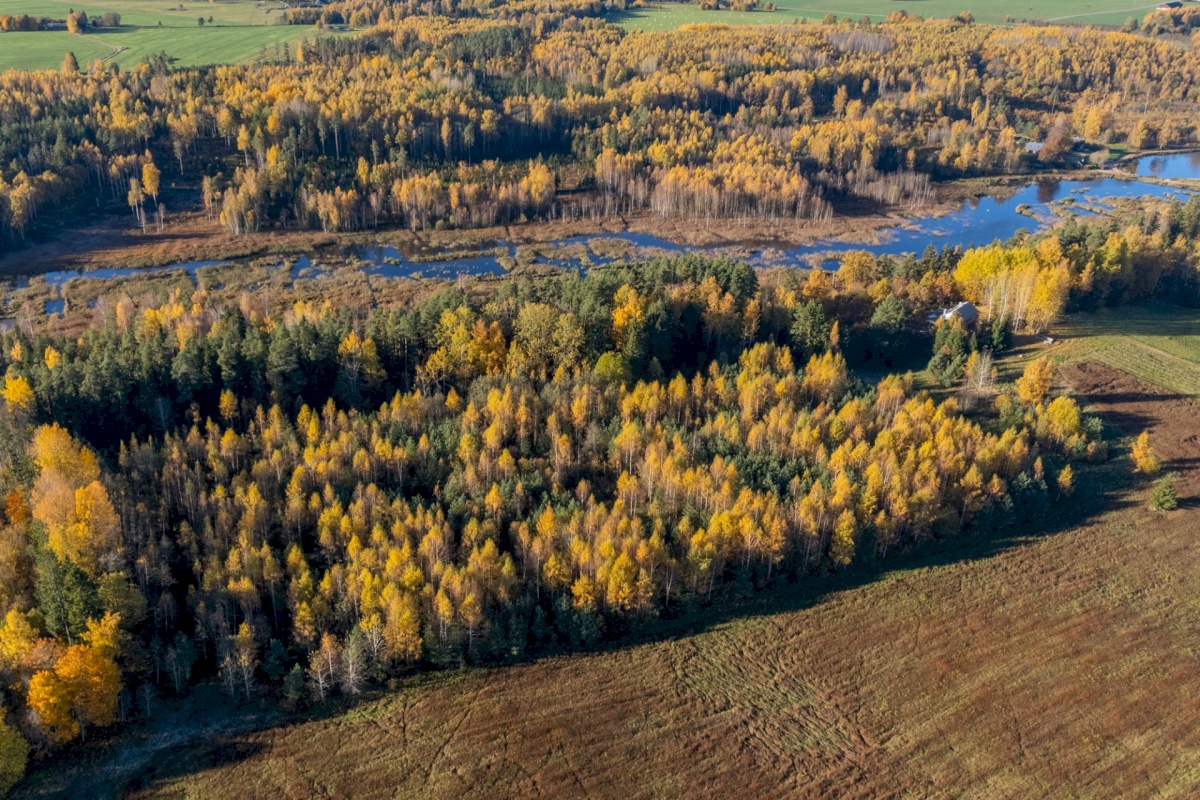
303	502
484	114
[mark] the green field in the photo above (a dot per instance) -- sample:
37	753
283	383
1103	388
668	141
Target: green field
1159	344
239	31
667	16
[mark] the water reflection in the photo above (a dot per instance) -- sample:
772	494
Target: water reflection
61	277
1174	166
1047	190
979	221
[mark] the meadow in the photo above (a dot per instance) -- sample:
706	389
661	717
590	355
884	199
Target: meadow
668	16
239	31
1157	343
1049	660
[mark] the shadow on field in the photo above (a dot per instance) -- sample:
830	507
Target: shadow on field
211	753
143	761
1119	407
1152	318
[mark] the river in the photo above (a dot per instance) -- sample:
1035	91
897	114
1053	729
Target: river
979	221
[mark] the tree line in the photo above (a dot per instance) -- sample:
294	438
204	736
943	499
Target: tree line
478	115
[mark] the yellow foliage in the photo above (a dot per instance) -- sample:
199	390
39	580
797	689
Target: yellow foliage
14	753
1066	481
227	405
50	698
629	309
583	592
1035	383
81	523
1145	460
17	637
105	635
55	450
842	545
81	690
1028	287
17	392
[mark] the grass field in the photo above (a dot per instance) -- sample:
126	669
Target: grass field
240	30
1157	343
668	15
1056	661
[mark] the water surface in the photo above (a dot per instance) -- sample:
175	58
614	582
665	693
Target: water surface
978	221
61	277
1174	166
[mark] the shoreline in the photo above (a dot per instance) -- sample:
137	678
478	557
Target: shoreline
108	242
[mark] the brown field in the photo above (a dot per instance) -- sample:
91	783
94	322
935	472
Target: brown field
1134	405
1053	664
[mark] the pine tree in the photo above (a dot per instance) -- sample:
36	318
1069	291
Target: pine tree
66	597
1163	496
810	329
293	686
950	351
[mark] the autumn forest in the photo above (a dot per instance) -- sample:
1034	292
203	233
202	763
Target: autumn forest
303	498
474	116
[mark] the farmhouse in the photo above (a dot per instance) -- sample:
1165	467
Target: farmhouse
966	311
1170	5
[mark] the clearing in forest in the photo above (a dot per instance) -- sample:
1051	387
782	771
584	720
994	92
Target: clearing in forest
1158	343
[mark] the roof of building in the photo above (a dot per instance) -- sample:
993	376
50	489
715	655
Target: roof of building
966	310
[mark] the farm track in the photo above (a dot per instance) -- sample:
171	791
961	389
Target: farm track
116	49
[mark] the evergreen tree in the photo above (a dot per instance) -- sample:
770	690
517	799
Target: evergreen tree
951	347
66	596
810	329
1163	496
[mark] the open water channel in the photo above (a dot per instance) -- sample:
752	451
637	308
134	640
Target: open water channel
979	221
